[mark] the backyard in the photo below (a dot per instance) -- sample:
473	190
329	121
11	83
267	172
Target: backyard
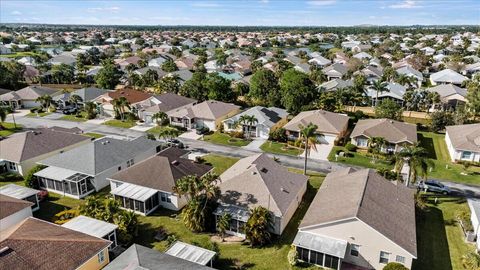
280	148
225	139
7	129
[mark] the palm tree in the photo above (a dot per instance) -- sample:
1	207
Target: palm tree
375	145
45	101
119	106
160	118
309	139
256	228
243	120
252	120
168	133
90	110
416	158
379	87
75	99
223	224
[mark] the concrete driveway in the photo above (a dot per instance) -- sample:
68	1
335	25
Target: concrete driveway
191	135
323	149
255	144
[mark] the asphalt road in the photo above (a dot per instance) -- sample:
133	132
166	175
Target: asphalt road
458	189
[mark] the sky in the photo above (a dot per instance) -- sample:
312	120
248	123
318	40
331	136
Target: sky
243	13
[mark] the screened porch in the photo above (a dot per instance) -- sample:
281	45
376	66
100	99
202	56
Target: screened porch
65	182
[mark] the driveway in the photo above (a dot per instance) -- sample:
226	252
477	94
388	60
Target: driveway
255	144
54	116
323	149
190	135
142	127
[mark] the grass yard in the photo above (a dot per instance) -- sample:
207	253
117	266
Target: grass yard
9	128
120	123
444	169
358	159
19	54
220	163
280	148
74	118
34	114
11	178
94	135
440	240
225	139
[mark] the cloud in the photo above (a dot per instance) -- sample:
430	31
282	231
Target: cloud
264	1
205	4
99	9
321	2
16	13
407	4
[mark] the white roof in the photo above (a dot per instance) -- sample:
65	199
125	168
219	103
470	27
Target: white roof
55	173
90	226
191	253
449	76
320	243
18	192
135	192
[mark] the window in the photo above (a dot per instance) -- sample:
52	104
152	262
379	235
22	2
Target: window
354	250
101	257
163	197
400	259
12	166
384	256
130	162
466	155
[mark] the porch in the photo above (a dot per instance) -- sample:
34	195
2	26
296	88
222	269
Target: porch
238	218
139	199
66	182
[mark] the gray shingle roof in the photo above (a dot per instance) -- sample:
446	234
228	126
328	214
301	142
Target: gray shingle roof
327	122
465	137
391	130
265	116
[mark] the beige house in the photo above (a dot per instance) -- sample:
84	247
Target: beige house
358	219
208	114
20	152
331	126
463	142
397	134
259	181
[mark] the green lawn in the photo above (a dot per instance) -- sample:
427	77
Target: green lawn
225	139
11	178
220	163
94	135
9	129
280	148
120	123
19	54
34	114
440	241
358	159
444	169
74	118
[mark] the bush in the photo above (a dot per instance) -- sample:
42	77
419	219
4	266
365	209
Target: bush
351	147
388	174
357	115
131	116
395	266
292	256
237	134
52	108
64	216
279	135
464	217
30	179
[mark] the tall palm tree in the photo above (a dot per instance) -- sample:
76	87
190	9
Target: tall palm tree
160	118
45	101
252	120
379	87
243	120
75	99
256	228
416	158
124	104
375	144
309	136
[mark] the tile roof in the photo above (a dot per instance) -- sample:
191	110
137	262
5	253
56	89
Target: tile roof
327	122
391	130
10	205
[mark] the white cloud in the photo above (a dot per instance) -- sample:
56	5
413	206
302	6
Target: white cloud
205	4
321	2
407	4
99	9
16	13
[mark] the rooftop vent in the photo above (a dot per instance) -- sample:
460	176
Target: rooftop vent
5	250
264	170
284	190
254	173
175	162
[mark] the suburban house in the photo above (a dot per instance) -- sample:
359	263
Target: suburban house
85	169
266	119
334	85
395	92
411	72
140	257
447	76
335	71
166	102
87	94
259	181
352	222
396	134
463	142
94	227
331	126
22	193
26	97
12	212
450	94
38	244
20	152
133	97
208	114
149	184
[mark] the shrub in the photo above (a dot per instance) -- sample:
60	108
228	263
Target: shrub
131	116
464	217
395	266
279	135
52	108
30	179
64	216
237	134
357	115
351	147
172	238
292	256
388	174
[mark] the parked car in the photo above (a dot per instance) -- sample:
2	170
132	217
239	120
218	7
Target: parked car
175	143
433	186
69	110
202	130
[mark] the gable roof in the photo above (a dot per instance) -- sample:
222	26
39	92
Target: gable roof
26	145
446	90
409	71
209	110
138	257
391	130
100	155
32	92
61	248
364	194
259	181
327	122
169	102
465	137
335	69
133	96
10	205
265	116
448	76
162	171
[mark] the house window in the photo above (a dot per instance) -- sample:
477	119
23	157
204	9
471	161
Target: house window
384	256
12	166
101	257
400	259
354	250
130	163
466	155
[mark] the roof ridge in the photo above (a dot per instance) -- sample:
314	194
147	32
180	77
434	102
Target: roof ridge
363	191
270	197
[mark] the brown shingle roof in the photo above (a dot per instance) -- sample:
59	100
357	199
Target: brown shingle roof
259	181
9	205
327	122
161	172
133	96
465	137
209	110
386	207
37	244
170	101
391	130
30	144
